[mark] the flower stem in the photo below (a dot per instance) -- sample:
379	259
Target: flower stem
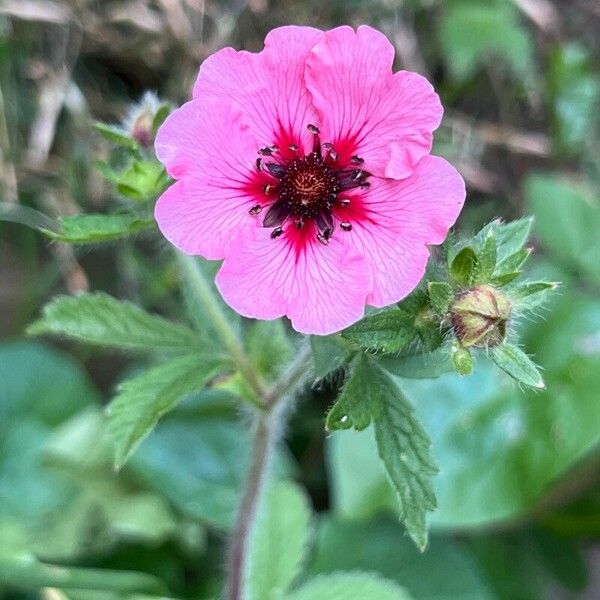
206	297
269	424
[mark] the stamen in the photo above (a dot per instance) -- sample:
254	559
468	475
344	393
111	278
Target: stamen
357	174
255	209
268	188
259	164
346	226
276	232
276	169
345	202
293	148
322	239
357	160
313	129
266	151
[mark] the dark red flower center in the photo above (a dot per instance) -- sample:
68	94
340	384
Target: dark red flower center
308	189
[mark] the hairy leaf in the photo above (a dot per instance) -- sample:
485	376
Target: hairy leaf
388	330
142	400
440	296
277	544
103	320
518	365
462	268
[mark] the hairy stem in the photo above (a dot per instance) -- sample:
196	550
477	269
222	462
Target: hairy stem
206	297
269	424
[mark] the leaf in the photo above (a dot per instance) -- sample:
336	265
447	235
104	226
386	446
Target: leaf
567	217
518	365
574	87
532	293
388	330
510	237
486	260
329	353
116	135
278	542
349	586
142	400
472	33
269	346
24	215
103	320
403	445
512	263
462	268
89	229
142	180
420	365
440	295
159	117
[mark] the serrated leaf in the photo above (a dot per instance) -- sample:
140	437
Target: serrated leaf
532	293
278	542
142	400
103	320
269	346
353	406
403	446
90	229
116	135
510	237
512	263
518	365
389	330
440	296
505	279
463	266
349	586
486	260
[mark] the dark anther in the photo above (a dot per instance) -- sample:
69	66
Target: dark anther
299	223
268	188
313	129
259	164
357	174
266	151
346	226
276	232
255	209
322	239
345	202
327	145
333	154
357	160
293	148
274	148
275	169
276	215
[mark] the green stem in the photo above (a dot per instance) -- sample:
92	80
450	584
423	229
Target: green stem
268	426
206	297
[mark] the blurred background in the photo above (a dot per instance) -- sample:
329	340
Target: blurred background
519	488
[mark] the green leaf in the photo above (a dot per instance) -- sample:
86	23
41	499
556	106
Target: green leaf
142	400
462	268
472	33
510	237
116	135
159	117
389	330
574	87
403	446
90	229
269	346
278	542
440	295
567	217
103	320
142	180
349	586
420	365
24	215
532	292
518	365
329	353
486	260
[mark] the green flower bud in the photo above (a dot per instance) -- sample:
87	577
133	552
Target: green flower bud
462	361
479	316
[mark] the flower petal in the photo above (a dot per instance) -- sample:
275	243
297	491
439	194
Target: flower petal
208	146
387	119
398	219
322	289
269	86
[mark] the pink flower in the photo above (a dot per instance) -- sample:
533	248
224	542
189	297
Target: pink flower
307	168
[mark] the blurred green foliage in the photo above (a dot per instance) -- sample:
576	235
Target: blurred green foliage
518	489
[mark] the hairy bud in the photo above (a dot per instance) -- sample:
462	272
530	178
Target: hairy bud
479	316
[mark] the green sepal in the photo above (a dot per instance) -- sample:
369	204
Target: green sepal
486	260
463	265
440	296
513	361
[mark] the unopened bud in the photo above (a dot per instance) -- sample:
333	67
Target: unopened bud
140	123
479	316
462	361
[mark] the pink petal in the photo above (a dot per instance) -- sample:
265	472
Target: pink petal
211	149
387	119
398	219
269	86
322	289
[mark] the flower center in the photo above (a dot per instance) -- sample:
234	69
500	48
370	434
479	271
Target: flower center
308	188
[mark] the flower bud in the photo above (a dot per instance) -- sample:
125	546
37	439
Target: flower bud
140	122
479	316
462	361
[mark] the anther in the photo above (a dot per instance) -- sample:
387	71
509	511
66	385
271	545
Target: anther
268	188
276	232
345	202
259	164
346	226
322	239
266	151
293	148
333	154
276	169
255	209
313	129
357	174
357	160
